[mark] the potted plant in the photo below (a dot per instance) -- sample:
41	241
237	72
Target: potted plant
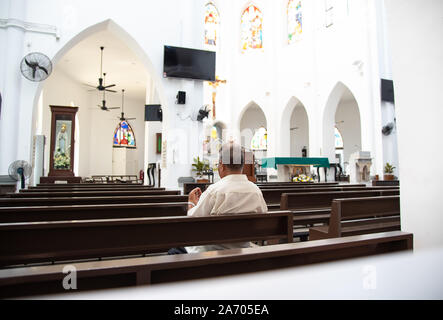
200	167
389	172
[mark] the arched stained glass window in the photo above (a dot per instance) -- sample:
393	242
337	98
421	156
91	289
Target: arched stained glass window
295	17
338	139
260	140
124	136
212	26
251	29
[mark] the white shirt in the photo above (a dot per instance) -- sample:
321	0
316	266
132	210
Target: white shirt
232	194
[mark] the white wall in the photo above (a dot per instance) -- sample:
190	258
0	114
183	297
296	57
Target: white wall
96	127
300	134
60	90
347	111
140	24
418	79
306	71
253	118
103	125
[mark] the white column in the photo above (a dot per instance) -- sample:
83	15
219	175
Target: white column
11	91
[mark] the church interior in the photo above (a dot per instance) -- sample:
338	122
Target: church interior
111	116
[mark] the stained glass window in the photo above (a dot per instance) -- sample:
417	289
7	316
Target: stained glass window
212	24
251	29
338	139
260	140
294	15
124	136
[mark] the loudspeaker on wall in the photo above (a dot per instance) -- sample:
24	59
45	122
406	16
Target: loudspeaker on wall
181	97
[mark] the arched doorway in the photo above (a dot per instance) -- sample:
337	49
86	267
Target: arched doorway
294	133
253	130
341	114
78	63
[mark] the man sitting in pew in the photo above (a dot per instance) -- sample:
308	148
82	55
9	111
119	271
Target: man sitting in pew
234	193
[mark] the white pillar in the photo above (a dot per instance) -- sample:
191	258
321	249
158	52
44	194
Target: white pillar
11	91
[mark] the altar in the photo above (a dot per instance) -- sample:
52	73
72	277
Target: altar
291	166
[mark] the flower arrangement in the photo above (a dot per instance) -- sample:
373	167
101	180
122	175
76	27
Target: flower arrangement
302	178
61	161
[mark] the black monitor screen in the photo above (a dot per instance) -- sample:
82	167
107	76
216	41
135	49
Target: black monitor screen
189	63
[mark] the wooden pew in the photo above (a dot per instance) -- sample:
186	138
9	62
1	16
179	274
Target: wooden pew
91	212
64	201
105	193
69	189
311	186
88	185
386	183
357	216
24	243
274	196
322	200
29	281
188	187
315	207
284	184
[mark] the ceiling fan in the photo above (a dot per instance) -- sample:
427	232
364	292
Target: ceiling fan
122	118
103	106
101	81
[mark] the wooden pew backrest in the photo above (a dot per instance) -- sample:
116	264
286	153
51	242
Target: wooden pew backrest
91	212
145	271
55	241
361	208
294	201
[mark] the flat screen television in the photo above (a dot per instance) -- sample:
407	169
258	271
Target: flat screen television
189	63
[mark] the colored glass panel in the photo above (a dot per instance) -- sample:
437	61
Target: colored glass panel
338	139
295	17
260	140
251	29
212	24
124	136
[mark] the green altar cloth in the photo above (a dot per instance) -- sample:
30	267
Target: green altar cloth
316	162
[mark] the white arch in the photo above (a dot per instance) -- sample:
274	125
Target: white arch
241	133
328	119
126	38
285	123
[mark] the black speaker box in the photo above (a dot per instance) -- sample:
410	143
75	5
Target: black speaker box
181	97
387	90
153	112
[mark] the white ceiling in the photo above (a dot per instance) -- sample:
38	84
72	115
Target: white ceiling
122	67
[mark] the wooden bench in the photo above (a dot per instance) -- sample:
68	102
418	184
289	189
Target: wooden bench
91	212
386	183
188	187
64	201
106	193
87	185
29	281
322	200
312	208
69	189
360	216
273	197
34	242
284	184
311	186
